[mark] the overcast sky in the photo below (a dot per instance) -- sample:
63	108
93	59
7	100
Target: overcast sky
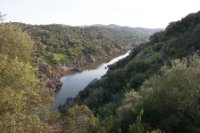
134	13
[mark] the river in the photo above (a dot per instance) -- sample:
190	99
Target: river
76	82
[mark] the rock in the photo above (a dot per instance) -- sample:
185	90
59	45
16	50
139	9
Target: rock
64	69
50	84
77	69
71	65
50	76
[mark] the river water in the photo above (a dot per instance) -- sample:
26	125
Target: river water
76	82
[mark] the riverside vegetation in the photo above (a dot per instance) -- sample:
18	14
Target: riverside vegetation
59	49
60	44
155	89
156	86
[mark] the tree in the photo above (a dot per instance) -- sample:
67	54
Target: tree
128	110
24	99
14	43
138	126
79	119
171	101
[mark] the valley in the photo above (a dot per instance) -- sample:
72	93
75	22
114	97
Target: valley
96	78
61	49
76	82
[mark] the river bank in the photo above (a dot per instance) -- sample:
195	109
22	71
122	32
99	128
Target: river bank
89	62
51	74
74	83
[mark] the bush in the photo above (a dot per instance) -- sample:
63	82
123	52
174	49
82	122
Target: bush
79	119
171	101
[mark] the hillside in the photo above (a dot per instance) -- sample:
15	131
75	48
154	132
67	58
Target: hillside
23	95
105	96
78	46
59	49
156	89
145	32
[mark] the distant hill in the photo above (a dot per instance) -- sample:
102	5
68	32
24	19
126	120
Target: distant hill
57	44
133	30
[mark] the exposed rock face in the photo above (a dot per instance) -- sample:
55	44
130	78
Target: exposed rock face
50	76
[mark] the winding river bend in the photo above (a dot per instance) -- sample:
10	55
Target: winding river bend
74	83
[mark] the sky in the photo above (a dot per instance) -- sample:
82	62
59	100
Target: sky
132	13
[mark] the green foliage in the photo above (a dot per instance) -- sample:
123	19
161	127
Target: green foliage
156	131
14	43
24	99
21	95
138	127
108	125
21	122
171	101
70	44
145	61
128	109
60	56
79	119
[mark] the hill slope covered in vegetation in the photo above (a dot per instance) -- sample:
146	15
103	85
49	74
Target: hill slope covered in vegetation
167	99
60	48
23	96
56	44
155	89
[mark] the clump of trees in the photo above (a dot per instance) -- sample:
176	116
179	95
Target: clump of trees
167	102
76	42
142	63
24	99
171	100
136	96
79	119
14	43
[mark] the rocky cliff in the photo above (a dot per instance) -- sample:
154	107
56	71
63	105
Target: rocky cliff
50	76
